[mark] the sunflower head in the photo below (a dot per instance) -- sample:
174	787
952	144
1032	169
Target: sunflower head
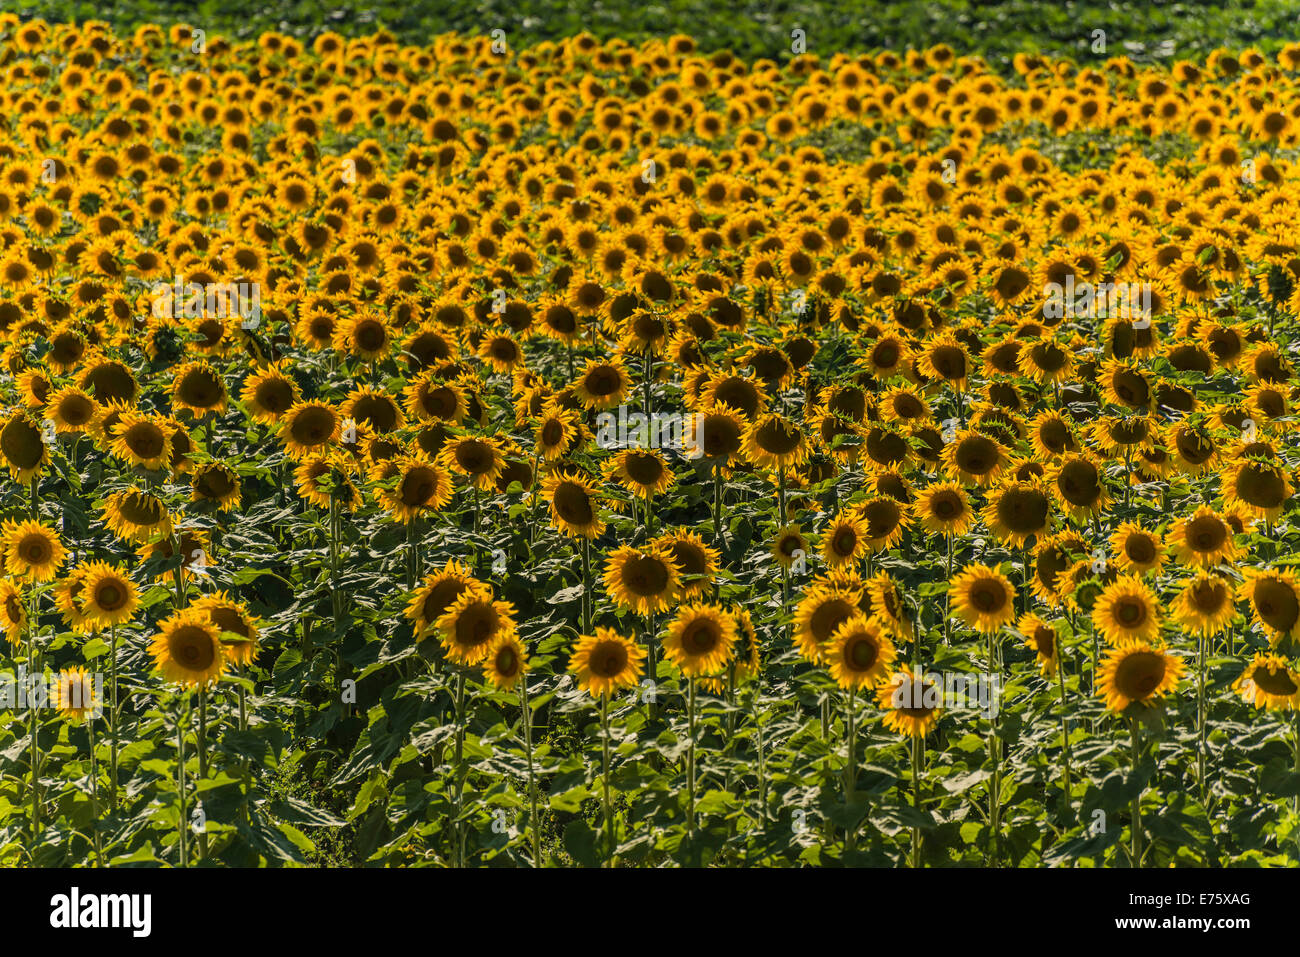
1137	673
605	662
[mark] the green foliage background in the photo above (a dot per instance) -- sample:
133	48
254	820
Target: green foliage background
750	28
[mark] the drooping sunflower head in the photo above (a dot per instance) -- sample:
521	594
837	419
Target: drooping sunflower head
573	505
137	516
860	653
983	597
700	640
1269	682
23	447
13	612
1041	638
1137	673
309	427
239	629
199	388
1274	598
1018	511
605	662
696	561
774	442
187	649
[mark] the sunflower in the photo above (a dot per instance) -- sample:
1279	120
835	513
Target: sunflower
32	550
142	440
944	357
1078	484
1261	488
1275	600
423	486
700	640
845	540
822	609
860	653
717	431
944	509
974	457
573	505
187	649
1052	435
603	384
983	597
1205	604
605	662
71	410
13	611
643	472
774	442
438	593
1127	611
478	458
107	595
1203	539
557	431
309	427
789	545
1042	639
1268	682
137	516
75	694
239	629
644	580
1018	511
885	519
269	393
1136	549
911	703
884	602
198	387
471	623
696	561
505	662
1136	673
23	447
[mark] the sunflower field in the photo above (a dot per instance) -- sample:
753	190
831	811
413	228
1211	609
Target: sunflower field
610	454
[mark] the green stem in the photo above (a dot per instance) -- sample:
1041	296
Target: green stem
534	819
94	795
604	775
113	715
458	849
1065	732
690	758
917	744
1137	798
203	762
850	768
